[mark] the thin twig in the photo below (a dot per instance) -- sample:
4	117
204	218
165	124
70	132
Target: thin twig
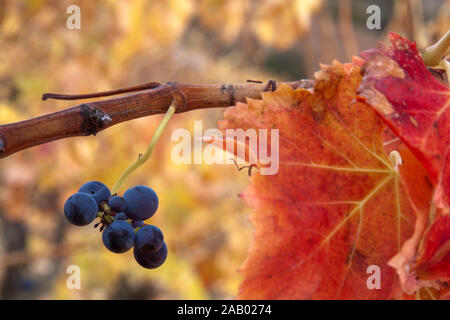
141	87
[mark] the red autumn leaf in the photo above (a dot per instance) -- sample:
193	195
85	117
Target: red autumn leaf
413	103
433	260
337	205
418	186
416	107
433	257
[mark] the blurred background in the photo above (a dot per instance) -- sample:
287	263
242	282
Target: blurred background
124	43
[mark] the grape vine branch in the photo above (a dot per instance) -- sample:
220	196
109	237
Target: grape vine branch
92	117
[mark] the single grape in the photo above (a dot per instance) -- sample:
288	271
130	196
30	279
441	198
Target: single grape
97	190
119	236
121	216
151	260
80	209
149	239
142	202
137	224
117	204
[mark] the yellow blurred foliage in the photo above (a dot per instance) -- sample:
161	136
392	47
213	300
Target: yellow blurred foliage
282	22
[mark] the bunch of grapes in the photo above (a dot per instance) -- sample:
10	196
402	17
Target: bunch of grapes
121	220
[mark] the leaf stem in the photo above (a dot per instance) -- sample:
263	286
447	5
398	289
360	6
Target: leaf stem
435	53
142	158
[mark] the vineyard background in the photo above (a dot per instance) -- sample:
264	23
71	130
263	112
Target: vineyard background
129	42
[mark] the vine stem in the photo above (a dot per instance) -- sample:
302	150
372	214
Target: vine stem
142	158
434	53
90	118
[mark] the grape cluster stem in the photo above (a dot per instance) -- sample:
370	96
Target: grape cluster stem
142	158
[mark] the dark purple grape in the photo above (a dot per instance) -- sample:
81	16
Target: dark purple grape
97	190
149	239
119	236
142	202
117	204
80	209
137	224
151	260
121	216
